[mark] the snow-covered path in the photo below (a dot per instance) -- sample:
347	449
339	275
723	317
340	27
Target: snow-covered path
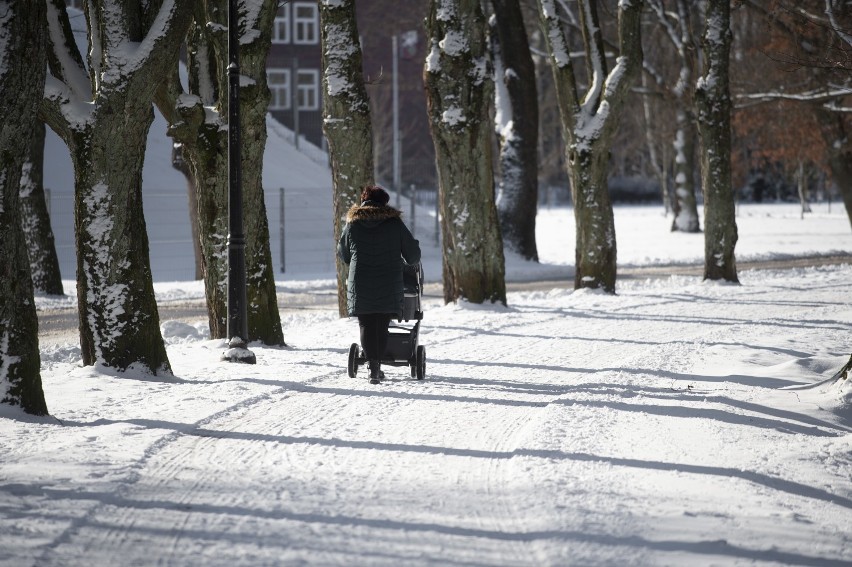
647	428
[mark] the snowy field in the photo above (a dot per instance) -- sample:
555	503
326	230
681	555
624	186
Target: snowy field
675	423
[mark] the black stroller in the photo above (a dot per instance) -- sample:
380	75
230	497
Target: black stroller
402	349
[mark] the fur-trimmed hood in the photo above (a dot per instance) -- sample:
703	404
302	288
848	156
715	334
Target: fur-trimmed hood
373	213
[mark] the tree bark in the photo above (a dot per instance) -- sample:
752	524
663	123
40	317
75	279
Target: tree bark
180	164
22	49
346	118
457	88
35	220
517	128
204	140
658	164
836	134
713	105
684	205
589	125
264	318
131	46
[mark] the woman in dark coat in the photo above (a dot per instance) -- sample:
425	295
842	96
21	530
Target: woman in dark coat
374	243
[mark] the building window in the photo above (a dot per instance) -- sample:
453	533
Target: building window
279	88
307	89
305	23
281	27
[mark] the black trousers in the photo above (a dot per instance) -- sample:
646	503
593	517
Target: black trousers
374	334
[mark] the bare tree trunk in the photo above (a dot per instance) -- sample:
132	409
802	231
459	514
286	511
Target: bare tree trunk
802	189
840	154
346	118
179	163
517	128
589	125
659	165
841	172
713	102
119	323
679	31
264	318
204	141
35	220
457	88
22	49
685	207
595	255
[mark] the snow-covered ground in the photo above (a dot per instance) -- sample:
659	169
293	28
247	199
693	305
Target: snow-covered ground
675	423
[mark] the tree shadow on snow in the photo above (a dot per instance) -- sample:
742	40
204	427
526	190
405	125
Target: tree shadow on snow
278	513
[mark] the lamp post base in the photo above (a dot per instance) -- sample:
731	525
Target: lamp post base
238	352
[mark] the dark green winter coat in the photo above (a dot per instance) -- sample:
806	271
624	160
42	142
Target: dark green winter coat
374	243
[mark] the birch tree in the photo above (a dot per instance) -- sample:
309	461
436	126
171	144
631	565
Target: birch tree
346	117
516	117
457	89
588	125
103	111
713	106
198	121
22	65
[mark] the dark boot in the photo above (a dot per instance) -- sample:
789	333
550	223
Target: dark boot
375	372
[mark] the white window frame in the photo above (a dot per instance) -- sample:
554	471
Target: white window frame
308	94
281	27
305	27
280	94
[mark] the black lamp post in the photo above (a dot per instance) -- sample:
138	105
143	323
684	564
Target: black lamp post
237	317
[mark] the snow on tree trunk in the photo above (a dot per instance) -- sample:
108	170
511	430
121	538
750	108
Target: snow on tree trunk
22	64
457	87
677	28
517	128
595	255
204	146
589	125
198	120
346	117
35	220
119	322
713	104
264	319
685	207
103	114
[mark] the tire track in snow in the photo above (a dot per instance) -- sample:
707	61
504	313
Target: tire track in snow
652	386
326	429
92	539
334	426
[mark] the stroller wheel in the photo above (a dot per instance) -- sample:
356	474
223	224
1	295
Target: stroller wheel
420	363
352	367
